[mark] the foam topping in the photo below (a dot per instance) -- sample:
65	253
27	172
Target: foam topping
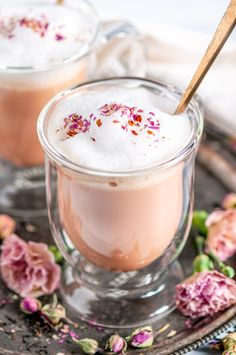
39	35
117	130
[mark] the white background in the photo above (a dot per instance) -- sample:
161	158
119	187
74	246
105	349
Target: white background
203	15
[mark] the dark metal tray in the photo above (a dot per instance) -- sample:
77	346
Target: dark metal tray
22	335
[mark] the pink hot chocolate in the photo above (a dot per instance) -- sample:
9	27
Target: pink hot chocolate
119	223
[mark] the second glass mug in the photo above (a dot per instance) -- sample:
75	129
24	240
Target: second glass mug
23	93
121	232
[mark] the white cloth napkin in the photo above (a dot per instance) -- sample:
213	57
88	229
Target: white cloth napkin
173	56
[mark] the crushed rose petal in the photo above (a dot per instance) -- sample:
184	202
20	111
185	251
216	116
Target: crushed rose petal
204	294
131	120
29	268
39	25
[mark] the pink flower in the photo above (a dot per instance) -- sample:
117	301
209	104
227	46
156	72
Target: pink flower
28	269
205	293
221	236
7	226
229	201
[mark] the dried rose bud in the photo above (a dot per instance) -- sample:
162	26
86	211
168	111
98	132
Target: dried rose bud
142	337
229	201
229	352
53	314
7	226
116	344
30	305
89	346
229	341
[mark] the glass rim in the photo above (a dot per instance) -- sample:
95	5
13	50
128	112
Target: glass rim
61	160
85	49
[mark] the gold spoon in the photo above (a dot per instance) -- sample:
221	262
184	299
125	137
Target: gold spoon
221	35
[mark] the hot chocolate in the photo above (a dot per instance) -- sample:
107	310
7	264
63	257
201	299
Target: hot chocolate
36	41
119	223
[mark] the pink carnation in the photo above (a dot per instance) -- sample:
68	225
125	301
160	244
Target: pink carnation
221	237
7	226
204	294
28	269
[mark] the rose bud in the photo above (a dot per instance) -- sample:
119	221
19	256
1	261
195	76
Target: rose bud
229	352
116	344
229	201
7	226
30	305
89	346
142	337
53	314
229	341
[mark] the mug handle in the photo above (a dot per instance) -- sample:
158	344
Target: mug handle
121	50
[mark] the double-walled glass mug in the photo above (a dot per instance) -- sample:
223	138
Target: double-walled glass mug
25	90
121	232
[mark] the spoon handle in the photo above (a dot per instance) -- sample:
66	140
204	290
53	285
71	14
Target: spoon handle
220	37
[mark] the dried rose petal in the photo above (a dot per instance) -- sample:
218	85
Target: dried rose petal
221	237
204	294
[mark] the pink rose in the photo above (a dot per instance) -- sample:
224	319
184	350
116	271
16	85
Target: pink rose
28	269
205	293
221	236
7	226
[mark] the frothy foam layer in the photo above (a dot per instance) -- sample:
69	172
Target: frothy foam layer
116	130
39	35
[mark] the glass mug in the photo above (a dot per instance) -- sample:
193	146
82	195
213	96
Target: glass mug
25	90
121	232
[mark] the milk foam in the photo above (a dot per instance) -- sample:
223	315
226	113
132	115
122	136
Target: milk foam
116	140
39	35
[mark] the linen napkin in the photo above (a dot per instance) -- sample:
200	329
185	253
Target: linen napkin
173	55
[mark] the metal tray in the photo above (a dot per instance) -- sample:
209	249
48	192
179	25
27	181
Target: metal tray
22	335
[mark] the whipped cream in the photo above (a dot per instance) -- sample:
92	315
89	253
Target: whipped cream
116	130
41	34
